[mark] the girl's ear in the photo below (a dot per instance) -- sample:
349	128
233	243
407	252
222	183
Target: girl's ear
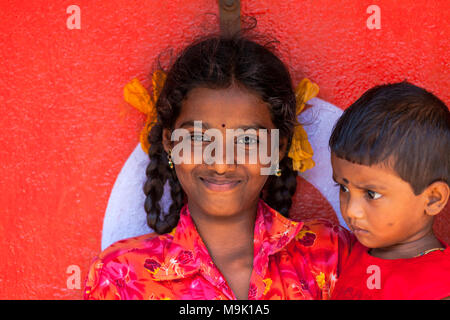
166	140
283	147
437	195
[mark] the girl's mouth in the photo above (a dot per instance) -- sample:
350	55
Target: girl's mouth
220	185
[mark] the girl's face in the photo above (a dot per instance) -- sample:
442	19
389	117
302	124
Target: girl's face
222	189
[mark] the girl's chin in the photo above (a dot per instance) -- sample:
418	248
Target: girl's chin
221	206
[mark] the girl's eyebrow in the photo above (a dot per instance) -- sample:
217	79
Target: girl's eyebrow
190	123
256	126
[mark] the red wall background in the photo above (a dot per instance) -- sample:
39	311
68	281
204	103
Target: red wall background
66	132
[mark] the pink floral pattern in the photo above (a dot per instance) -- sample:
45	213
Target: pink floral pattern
292	260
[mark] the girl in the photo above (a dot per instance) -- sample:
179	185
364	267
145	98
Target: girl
226	234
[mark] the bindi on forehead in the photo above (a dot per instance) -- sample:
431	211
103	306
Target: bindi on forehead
223	125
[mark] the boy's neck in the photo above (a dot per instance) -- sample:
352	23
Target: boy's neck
409	249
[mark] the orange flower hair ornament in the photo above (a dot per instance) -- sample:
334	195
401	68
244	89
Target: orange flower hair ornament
136	95
300	152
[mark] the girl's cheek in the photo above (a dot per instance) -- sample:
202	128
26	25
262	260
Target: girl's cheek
183	172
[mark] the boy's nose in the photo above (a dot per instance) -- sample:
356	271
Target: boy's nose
354	209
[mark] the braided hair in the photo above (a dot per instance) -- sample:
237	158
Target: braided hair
217	62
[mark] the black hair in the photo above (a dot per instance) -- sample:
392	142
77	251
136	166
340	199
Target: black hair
399	125
218	62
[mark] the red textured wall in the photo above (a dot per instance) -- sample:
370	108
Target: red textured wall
66	131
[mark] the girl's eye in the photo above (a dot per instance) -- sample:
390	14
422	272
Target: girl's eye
373	195
200	138
247	139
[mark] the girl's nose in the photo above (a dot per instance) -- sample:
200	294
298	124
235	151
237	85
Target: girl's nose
218	160
221	168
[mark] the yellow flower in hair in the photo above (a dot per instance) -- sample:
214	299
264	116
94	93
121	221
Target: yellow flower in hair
135	94
301	151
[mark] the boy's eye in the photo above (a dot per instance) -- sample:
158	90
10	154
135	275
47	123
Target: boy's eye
247	139
373	195
342	188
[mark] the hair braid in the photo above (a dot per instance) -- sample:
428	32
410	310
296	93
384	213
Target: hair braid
158	173
279	190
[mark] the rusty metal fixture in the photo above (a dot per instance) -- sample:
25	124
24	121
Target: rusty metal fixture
230	16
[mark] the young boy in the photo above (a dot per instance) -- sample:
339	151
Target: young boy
390	158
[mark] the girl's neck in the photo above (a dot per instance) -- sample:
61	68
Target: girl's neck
409	249
226	236
229	241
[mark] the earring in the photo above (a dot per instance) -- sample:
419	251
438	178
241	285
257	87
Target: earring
169	157
278	171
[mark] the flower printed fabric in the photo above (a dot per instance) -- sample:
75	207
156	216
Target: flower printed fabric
292	260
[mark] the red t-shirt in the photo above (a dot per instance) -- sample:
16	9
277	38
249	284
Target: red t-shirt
365	277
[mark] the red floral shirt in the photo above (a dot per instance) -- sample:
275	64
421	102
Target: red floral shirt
292	260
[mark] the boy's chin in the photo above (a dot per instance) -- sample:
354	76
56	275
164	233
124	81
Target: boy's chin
366	242
372	243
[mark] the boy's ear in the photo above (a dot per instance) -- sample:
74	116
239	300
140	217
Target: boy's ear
437	195
166	141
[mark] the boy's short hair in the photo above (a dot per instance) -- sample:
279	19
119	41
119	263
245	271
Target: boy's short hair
400	125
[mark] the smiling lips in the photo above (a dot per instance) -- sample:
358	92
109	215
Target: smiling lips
220	184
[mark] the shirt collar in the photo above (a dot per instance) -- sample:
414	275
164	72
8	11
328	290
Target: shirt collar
185	253
273	232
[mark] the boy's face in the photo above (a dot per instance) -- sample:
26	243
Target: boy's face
380	208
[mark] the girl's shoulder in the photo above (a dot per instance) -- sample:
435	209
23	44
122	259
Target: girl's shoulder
128	245
326	245
124	257
133	248
316	232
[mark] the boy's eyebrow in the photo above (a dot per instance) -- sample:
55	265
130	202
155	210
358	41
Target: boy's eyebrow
363	187
335	180
371	187
368	186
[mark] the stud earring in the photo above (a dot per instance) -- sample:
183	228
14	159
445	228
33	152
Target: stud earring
169	158
278	171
